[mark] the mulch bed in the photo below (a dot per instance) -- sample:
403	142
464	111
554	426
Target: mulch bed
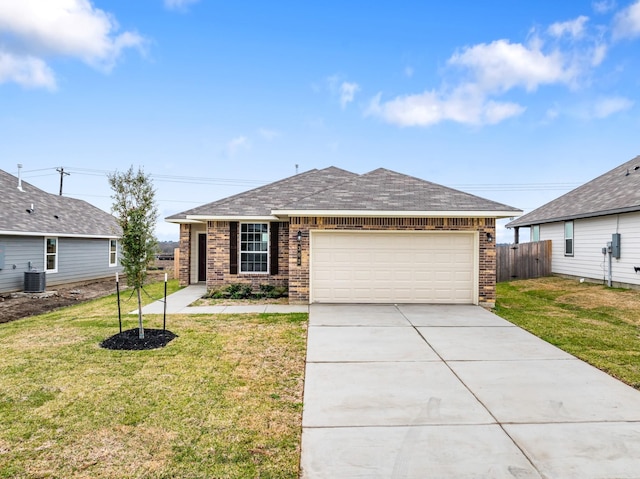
129	341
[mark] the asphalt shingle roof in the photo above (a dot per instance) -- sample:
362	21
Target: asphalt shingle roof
614	192
386	190
264	199
52	214
333	189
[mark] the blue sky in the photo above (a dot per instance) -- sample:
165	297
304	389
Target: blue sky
518	102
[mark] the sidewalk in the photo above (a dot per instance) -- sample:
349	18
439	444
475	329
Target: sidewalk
178	303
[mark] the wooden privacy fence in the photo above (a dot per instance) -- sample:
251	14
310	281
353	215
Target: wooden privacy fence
523	261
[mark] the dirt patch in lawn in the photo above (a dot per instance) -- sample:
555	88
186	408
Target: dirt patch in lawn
16	307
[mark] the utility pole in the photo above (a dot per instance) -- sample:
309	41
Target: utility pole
62	174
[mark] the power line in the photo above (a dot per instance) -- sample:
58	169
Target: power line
199	180
245	182
175	178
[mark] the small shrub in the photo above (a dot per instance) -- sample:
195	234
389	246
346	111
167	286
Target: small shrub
245	291
234	290
280	292
219	293
266	291
239	291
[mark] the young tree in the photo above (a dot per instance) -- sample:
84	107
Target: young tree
134	206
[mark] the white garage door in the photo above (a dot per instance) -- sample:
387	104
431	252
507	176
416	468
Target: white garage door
372	267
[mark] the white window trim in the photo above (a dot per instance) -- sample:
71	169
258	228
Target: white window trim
268	252
46	254
573	236
111	265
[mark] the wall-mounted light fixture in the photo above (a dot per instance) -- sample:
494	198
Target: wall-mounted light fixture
299	250
489	238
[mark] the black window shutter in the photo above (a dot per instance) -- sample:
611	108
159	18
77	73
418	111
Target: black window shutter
273	247
233	247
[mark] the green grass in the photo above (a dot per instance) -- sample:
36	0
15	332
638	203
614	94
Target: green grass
597	324
222	400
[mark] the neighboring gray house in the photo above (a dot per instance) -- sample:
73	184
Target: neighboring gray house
582	222
334	236
68	238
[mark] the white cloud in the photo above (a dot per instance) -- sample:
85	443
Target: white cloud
478	75
552	113
603	6
573	28
598	55
38	29
268	134
26	71
608	106
466	105
501	65
347	93
344	90
626	23
236	144
495	112
178	4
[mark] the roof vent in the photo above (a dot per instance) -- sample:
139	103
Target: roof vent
19	178
30	210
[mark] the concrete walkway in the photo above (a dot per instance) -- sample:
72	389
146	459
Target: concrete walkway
178	303
454	392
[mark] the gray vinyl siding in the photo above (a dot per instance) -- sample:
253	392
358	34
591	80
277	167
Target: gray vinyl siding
590	236
19	250
79	259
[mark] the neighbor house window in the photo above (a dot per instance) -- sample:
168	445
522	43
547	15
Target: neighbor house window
51	254
568	238
535	233
254	247
113	252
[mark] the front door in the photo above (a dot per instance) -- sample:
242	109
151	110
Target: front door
202	257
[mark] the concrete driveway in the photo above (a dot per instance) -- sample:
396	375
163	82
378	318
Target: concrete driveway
426	391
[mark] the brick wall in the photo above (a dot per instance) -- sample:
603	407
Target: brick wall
218	259
185	256
299	273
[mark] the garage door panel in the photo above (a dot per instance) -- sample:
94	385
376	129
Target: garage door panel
341	275
399	276
393	267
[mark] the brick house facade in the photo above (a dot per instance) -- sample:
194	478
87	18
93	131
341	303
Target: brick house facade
289	235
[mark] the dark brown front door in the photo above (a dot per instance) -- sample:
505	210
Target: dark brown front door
202	257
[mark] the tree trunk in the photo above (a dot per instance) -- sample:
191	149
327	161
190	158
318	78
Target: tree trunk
140	327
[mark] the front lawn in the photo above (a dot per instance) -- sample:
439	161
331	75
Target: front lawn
597	324
222	400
